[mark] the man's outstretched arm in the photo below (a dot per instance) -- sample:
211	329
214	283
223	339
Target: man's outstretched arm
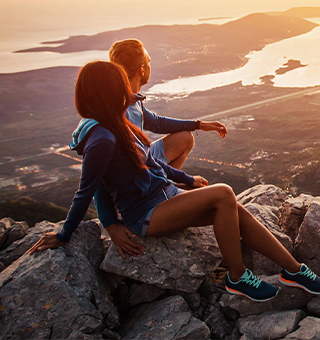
161	124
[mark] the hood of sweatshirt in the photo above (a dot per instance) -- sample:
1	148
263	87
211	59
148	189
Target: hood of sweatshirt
80	132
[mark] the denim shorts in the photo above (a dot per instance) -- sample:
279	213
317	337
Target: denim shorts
157	150
141	226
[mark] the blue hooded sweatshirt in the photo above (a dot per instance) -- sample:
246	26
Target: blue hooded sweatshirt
109	176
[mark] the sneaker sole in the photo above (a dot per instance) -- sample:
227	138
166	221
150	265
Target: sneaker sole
296	284
236	292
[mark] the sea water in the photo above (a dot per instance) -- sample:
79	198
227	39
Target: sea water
304	48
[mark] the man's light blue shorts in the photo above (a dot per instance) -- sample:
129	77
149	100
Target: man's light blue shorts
157	150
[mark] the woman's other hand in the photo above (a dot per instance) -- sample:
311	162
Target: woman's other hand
48	240
119	235
199	181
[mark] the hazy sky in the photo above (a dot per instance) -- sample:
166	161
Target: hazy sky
26	23
88	16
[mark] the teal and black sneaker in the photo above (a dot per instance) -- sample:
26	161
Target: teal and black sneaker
252	287
305	279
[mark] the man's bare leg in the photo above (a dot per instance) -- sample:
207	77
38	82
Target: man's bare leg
177	146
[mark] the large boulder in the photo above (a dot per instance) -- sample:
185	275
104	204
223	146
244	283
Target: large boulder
309	329
51	294
314	306
3	234
264	194
271	325
307	243
11	231
292	213
264	202
19	247
179	261
258	263
167	319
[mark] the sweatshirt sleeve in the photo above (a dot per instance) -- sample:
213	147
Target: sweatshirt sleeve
160	124
105	206
95	162
175	175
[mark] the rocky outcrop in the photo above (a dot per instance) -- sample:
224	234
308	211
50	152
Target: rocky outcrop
307	243
268	195
52	293
269	325
169	318
11	231
309	329
15	250
269	217
179	261
292	213
85	290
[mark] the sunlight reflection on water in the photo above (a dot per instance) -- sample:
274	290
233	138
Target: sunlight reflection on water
19	62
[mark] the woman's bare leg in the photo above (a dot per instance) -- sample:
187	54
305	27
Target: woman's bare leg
258	237
215	205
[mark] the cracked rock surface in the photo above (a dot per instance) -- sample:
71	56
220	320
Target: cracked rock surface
52	293
179	261
169	318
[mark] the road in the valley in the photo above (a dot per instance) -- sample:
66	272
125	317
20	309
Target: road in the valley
211	115
257	104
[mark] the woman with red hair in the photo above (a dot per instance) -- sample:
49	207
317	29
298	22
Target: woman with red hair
118	168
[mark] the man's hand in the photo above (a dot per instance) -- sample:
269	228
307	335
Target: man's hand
48	240
120	237
214	126
199	182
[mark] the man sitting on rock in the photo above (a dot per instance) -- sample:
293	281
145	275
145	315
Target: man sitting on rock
174	148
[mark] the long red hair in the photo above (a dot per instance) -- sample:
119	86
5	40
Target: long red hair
103	93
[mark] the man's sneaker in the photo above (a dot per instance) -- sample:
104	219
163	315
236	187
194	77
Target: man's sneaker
252	287
305	279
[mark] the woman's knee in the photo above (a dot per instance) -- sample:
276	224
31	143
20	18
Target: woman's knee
226	195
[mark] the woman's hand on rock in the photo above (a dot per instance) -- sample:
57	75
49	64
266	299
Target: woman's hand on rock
48	240
121	237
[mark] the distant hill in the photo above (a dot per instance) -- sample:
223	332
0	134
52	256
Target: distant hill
300	12
186	50
303	12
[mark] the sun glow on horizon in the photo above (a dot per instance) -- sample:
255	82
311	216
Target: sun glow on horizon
27	24
74	15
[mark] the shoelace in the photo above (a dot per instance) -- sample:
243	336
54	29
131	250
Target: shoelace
310	274
252	280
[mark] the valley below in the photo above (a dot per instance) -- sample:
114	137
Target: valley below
273	132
